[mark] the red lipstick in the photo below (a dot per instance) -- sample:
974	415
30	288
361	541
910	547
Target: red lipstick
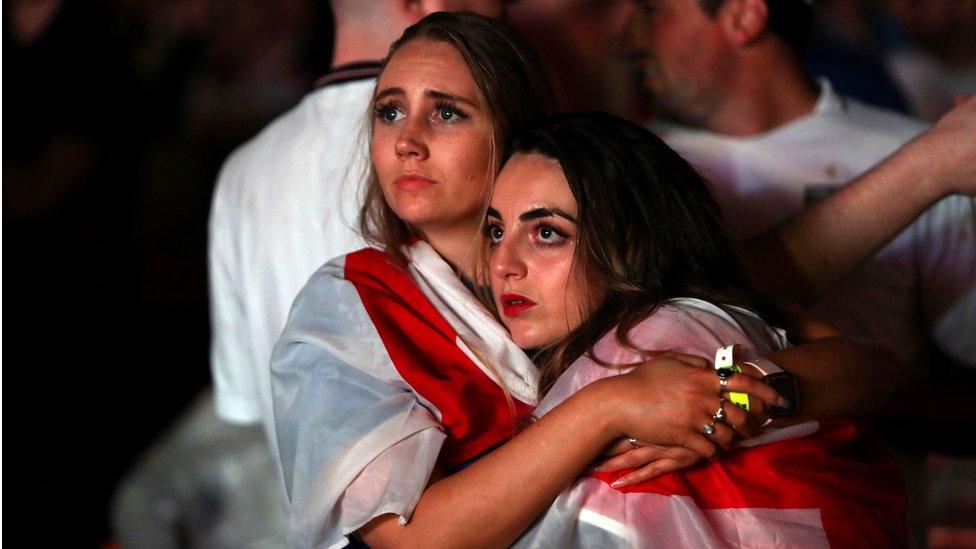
514	304
412	181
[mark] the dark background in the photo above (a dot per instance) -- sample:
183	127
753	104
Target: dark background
118	116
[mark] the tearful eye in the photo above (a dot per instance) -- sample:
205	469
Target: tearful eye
389	114
449	112
495	234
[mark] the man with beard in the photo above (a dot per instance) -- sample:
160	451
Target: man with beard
728	74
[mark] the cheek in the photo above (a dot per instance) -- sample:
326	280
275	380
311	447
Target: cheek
556	270
381	151
472	164
582	298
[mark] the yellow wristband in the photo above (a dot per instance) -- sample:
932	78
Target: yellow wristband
739	399
724	360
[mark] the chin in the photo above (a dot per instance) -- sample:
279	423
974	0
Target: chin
531	341
524	341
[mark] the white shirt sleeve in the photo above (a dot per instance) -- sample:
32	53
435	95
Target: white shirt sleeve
233	365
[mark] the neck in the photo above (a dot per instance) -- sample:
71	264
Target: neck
774	90
457	245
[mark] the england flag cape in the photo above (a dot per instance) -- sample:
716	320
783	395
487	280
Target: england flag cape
379	375
382	373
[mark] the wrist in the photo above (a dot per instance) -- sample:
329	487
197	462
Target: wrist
920	174
602	410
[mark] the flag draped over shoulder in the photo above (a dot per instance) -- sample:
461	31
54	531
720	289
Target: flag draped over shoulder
817	484
382	373
379	375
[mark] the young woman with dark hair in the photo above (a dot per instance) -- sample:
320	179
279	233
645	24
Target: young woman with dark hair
606	248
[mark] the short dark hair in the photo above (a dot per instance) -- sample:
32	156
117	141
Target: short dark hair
649	228
790	20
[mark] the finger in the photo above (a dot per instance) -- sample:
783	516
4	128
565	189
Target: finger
638	457
752	386
744	423
757	406
724	436
722	422
700	444
619	446
658	468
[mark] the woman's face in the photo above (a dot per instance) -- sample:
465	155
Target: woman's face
531	228
430	144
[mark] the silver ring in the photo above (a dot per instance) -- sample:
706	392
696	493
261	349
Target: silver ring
633	441
720	414
709	428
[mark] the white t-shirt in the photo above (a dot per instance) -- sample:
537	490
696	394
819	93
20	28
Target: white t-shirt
285	203
921	286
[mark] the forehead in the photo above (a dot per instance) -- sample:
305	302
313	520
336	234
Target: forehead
529	181
428	64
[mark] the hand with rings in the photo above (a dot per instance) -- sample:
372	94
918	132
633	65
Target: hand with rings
677	413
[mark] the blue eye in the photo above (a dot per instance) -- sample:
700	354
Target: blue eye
388	114
450	113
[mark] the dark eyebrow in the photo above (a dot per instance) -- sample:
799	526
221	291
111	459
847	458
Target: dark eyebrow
434	94
388	92
492	212
545	212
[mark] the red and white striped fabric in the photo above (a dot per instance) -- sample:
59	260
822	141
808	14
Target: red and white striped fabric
817	484
380	374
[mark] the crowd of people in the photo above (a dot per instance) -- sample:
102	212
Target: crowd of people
395	404
466	307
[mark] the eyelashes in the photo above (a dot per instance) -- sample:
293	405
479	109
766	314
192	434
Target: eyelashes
548	235
387	112
445	112
542	234
450	111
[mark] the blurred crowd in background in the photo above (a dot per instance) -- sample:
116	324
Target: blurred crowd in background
118	116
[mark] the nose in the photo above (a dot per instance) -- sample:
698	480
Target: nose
506	262
411	142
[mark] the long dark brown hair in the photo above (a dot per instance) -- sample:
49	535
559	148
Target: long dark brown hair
512	89
648	228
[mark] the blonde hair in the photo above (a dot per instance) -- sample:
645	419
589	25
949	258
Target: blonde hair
512	89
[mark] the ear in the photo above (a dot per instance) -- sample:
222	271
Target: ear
743	21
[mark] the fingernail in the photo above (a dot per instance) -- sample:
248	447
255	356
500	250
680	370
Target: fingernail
783	403
618	483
